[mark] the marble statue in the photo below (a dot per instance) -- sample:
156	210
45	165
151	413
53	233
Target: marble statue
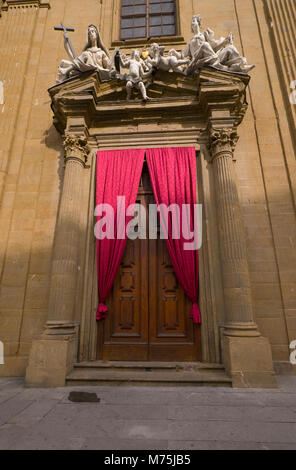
137	71
229	57
157	59
202	50
198	50
93	57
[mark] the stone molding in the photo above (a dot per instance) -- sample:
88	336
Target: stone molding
60	329
23	4
186	99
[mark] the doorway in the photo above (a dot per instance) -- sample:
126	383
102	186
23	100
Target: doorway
148	311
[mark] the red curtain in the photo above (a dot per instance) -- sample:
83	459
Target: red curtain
173	175
118	174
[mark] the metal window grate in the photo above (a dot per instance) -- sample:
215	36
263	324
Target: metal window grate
147	18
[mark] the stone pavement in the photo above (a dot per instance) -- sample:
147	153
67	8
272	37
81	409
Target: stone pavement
142	418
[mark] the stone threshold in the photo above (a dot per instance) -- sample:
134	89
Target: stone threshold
148	373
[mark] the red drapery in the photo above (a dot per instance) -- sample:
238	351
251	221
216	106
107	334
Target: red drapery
173	175
118	174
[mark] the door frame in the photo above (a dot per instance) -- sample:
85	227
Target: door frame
210	285
149	347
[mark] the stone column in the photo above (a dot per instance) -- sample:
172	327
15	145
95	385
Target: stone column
247	355
53	355
65	256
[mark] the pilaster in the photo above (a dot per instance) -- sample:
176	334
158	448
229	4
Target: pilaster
52	356
247	355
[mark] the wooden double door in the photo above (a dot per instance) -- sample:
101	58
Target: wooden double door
148	312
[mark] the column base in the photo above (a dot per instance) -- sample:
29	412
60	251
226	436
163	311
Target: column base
52	356
248	361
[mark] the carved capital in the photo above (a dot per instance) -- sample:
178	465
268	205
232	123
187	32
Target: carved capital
222	141
76	148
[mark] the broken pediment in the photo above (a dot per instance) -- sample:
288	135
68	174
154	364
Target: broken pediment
172	96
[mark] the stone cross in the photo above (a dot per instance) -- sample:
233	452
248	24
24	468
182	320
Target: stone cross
66	36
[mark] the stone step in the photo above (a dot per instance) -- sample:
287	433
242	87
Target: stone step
138	365
148	373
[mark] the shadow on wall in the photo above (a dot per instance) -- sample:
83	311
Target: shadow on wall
53	140
25	279
25	287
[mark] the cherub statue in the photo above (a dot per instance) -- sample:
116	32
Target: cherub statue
136	74
95	56
157	59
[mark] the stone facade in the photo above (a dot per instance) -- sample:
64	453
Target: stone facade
248	276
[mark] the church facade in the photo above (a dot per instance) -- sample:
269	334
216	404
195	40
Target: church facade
152	75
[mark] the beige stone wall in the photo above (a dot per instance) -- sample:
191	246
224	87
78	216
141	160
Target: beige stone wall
280	16
266	173
31	156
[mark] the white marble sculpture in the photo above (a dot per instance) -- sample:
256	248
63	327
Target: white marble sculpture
172	62
137	71
229	57
94	57
203	49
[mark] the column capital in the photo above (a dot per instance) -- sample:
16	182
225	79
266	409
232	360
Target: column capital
222	140
76	148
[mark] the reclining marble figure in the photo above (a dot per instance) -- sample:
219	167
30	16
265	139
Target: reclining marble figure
203	49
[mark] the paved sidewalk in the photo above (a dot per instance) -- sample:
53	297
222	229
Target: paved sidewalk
141	418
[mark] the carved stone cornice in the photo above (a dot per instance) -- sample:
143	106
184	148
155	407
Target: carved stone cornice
2	2
76	148
23	4
222	141
175	99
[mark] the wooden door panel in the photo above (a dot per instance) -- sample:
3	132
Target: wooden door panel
170	301
171	331
125	307
125	328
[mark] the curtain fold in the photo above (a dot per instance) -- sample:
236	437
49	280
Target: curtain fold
173	175
118	174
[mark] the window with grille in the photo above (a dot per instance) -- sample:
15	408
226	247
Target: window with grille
148	18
